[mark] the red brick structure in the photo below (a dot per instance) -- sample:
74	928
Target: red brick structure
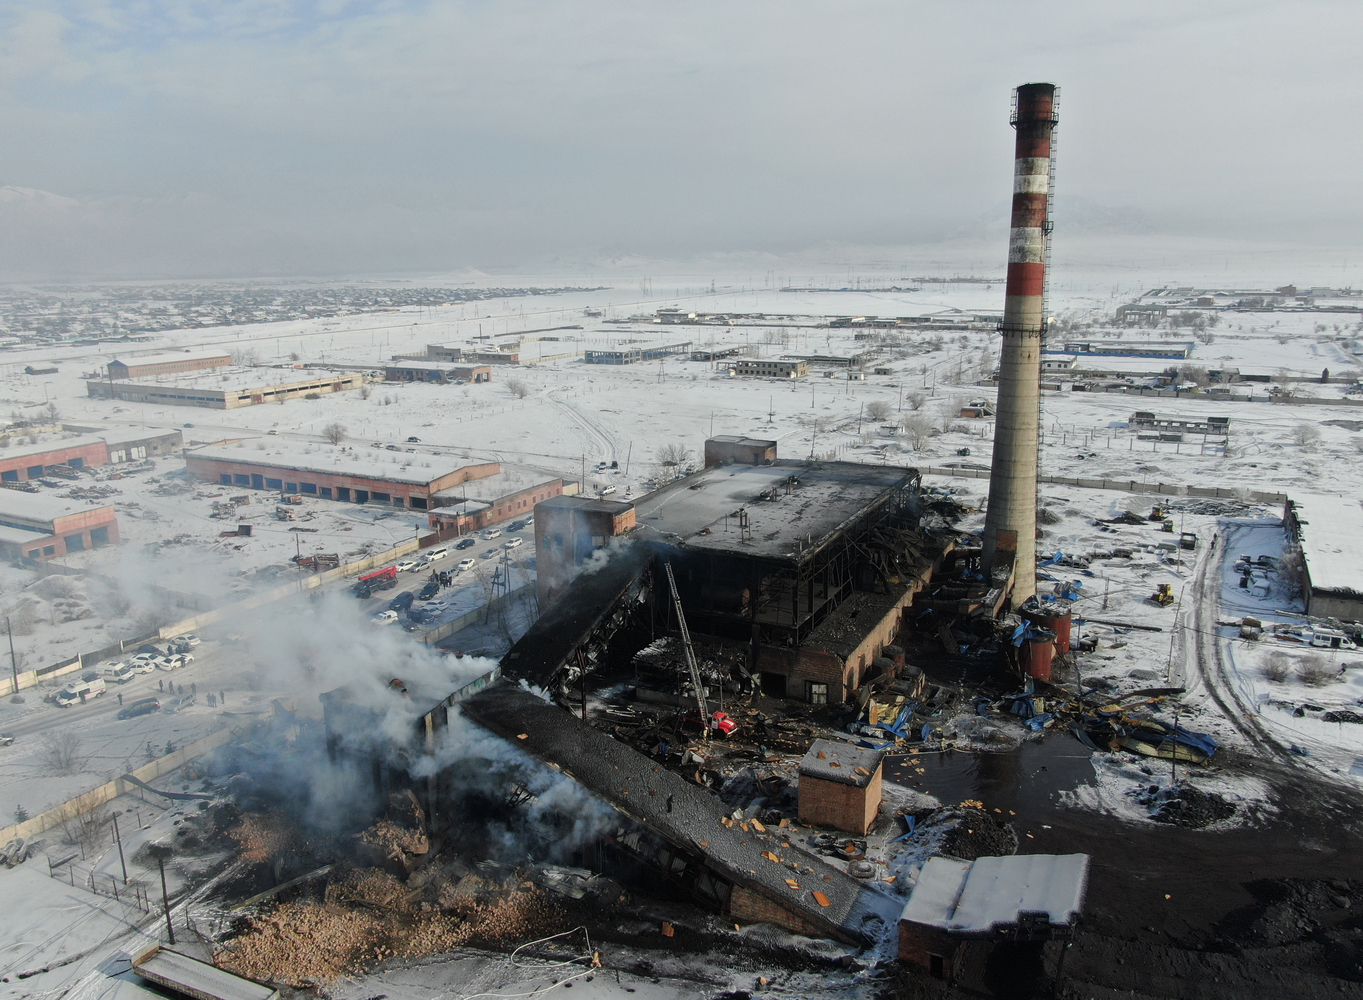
841	786
42	527
167	363
567	531
474	515
18	464
725	449
329	473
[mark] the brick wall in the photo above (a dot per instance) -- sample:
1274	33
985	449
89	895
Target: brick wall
843	807
919	943
747	906
88	454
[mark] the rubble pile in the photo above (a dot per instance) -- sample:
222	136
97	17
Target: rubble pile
1186	806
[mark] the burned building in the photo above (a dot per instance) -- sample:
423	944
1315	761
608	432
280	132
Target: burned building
809	567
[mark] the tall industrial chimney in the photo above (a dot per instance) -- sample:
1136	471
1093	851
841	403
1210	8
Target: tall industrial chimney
1010	520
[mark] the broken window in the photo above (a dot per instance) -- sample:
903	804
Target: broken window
816	693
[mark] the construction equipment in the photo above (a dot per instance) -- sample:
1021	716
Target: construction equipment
1167	526
1187	540
1164	596
718	722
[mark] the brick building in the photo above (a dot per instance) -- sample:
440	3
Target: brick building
169	363
567	531
42	526
19	463
468	514
724	449
841	786
352	475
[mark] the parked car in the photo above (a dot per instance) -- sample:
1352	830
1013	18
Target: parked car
517	525
143	707
385	618
406	565
402	602
72	693
512	543
6	739
272	433
182	659
414	440
467	564
430	589
150	649
141	665
177	648
435	555
189	640
492	533
120	672
418	615
465	543
489	554
189	425
607	491
167	663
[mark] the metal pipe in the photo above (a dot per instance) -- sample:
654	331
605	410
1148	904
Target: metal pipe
1010	520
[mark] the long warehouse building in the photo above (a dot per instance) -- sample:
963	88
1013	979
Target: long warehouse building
351	475
226	388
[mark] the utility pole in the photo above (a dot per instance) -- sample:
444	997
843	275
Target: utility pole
119	840
165	898
13	660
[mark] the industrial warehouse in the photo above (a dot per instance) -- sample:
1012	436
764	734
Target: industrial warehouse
332	472
226	388
82	450
45	527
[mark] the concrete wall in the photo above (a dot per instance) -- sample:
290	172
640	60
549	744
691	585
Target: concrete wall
111	790
1124	485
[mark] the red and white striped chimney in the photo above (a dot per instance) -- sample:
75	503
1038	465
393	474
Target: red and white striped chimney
1010	519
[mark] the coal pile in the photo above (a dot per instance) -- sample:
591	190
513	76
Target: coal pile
1186	806
1311	914
977	834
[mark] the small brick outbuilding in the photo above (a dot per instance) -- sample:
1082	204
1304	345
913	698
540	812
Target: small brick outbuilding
840	786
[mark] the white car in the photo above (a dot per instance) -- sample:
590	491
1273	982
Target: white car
188	640
142	664
467	564
608	491
166	662
492	533
406	565
182	659
512	543
385	618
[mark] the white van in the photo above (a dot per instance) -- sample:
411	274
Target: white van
1331	638
71	694
436	554
119	673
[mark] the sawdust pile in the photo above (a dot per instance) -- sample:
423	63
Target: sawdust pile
264	836
393	841
368	917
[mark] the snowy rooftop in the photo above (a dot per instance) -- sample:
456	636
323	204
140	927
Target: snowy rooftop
787	521
237	378
40	506
51	444
986	896
170	357
841	762
417	469
1331	540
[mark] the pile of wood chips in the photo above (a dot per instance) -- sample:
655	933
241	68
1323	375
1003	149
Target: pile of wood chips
393	841
367	919
263	836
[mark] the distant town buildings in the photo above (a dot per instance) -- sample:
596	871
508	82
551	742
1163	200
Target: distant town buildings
751	367
432	371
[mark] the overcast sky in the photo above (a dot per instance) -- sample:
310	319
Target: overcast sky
260	137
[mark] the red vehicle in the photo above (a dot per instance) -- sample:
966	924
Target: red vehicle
719	723
375	577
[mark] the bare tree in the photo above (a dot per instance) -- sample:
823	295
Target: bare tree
1316	672
52	413
1304	434
1192	373
671	455
334	432
918	428
518	388
1277	666
915	400
366	391
61	752
878	409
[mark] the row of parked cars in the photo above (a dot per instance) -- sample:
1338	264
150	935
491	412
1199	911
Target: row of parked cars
94	683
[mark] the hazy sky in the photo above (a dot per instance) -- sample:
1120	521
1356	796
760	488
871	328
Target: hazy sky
159	137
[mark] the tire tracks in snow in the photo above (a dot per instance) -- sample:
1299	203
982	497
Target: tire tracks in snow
1216	678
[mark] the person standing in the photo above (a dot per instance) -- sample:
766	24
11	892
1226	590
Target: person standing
120	699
